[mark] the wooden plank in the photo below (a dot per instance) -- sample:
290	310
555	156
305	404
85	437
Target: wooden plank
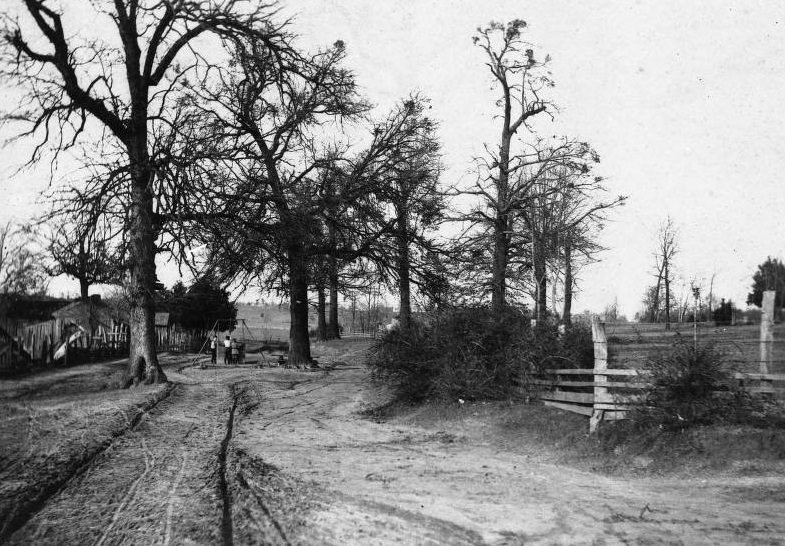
626	385
615	415
608	398
583	410
612	407
759	390
759	376
581	397
610	385
592	371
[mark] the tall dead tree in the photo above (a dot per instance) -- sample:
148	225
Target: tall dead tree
73	80
667	248
520	80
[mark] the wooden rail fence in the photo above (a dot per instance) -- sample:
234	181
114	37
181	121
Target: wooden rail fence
606	394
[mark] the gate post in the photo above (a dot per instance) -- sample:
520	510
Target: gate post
600	364
766	330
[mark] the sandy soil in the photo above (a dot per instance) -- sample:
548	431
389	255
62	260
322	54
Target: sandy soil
274	456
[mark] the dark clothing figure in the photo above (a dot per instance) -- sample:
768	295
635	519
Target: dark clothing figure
214	350
235	352
227	350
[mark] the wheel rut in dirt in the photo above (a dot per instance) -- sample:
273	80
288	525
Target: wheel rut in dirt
246	503
176	476
26	510
160	482
226	496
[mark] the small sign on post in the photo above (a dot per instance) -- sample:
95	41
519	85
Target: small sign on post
766	331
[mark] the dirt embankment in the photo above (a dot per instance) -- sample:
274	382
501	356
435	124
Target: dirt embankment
273	456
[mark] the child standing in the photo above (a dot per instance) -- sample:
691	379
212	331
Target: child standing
214	349
235	351
227	350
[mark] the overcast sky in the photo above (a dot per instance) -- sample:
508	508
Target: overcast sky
682	100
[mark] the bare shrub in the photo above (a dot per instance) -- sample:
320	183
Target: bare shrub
692	386
471	353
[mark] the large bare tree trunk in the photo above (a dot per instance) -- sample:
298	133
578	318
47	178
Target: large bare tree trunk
299	344
541	286
404	265
405	314
84	289
501	226
667	298
333	330
567	312
321	313
499	280
143	366
655	309
84	285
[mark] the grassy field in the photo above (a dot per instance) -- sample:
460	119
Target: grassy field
631	344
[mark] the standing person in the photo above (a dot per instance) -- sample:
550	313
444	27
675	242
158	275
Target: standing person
235	351
227	350
214	350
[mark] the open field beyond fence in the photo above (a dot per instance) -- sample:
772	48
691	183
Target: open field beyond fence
754	355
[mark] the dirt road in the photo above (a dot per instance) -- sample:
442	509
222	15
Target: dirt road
261	456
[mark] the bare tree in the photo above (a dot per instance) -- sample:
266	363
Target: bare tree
409	190
21	264
667	248
261	194
71	77
566	212
83	250
520	79
710	297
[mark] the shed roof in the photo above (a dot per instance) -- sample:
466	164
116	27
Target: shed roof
87	314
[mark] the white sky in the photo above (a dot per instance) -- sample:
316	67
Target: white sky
683	101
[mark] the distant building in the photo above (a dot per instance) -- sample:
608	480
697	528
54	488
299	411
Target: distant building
99	321
163	328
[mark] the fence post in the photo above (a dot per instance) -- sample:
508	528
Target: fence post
766	331
600	363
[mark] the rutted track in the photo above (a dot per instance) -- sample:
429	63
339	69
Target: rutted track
171	476
158	481
226	496
23	512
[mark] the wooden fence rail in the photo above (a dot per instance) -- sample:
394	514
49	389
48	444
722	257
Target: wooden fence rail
603	405
605	394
